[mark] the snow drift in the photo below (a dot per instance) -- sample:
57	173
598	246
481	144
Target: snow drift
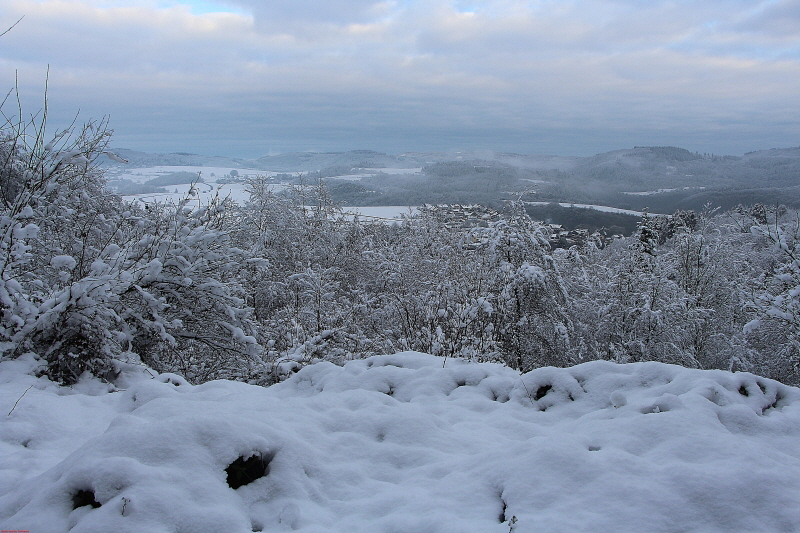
401	444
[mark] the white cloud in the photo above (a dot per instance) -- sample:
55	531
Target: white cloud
421	66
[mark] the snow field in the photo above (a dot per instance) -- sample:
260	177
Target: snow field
399	444
604	208
206	190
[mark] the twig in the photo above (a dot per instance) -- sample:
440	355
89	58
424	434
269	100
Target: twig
12	26
530	397
18	399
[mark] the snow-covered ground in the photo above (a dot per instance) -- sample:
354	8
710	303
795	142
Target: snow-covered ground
382	212
603	208
210	187
393	171
406	443
205	193
349	177
662	191
142	174
205	190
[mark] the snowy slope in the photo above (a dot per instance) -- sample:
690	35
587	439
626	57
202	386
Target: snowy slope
400	444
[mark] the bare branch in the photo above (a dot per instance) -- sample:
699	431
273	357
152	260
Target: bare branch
12	26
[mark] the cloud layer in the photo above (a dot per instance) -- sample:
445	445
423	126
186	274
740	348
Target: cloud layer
244	77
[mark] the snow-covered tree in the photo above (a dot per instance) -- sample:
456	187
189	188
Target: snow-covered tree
778	300
86	281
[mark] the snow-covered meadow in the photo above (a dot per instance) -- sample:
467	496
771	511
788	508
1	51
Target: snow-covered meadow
404	443
216	183
205	190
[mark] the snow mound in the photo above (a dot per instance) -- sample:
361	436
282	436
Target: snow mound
402	444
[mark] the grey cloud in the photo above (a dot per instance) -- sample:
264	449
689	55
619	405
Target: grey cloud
290	13
781	18
417	72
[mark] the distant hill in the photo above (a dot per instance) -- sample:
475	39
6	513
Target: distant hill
311	161
143	159
661	178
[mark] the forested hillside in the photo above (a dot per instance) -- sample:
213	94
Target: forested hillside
256	291
661	179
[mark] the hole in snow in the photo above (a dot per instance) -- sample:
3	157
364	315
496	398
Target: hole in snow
502	517
775	404
594	448
84	497
743	390
762	387
246	470
541	392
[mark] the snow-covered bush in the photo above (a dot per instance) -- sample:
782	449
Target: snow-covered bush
86	280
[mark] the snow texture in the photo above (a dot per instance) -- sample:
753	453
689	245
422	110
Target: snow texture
400	444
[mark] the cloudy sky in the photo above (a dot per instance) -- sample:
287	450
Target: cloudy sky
569	77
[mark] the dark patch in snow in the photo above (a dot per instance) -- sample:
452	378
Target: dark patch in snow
541	392
84	497
502	518
244	471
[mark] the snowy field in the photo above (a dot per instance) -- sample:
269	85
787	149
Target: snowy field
390	213
399	444
206	190
393	171
209	188
603	208
209	174
662	191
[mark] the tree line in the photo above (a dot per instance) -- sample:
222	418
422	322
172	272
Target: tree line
254	291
